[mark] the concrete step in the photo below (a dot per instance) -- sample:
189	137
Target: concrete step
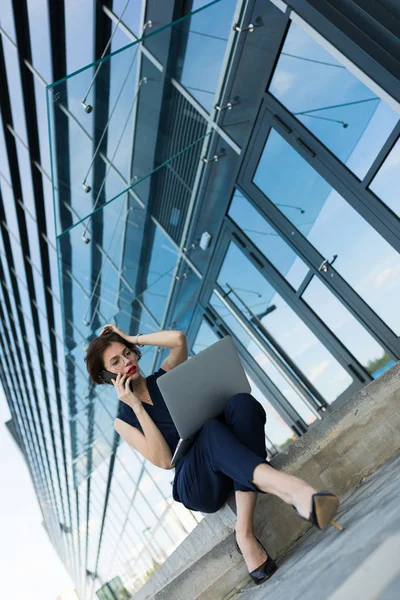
361	562
335	454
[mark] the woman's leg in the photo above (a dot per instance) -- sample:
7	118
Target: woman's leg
289	488
252	552
246	418
218	456
201	487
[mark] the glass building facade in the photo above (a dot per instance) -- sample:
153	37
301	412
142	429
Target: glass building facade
229	167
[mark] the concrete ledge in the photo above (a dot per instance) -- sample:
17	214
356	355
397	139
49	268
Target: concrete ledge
202	539
348	445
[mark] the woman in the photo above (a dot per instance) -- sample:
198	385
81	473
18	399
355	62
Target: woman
228	453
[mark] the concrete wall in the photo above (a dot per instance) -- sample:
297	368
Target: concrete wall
335	454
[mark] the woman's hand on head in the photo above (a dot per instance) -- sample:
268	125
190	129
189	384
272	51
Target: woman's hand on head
124	392
110	328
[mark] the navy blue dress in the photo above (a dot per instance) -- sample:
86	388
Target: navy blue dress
223	456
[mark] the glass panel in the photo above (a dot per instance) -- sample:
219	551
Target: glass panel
98	487
265	237
282	323
162	263
149	353
76	365
103	420
205	337
7	20
162	482
79	26
119	503
128	464
203	49
180	313
24	161
129	12
272	372
364	259
338	109
39	32
123	121
346	327
120	288
386	182
15	91
278	434
115	261
5	176
122	84
40	97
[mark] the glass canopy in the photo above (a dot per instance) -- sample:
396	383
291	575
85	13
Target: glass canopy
129	135
107	122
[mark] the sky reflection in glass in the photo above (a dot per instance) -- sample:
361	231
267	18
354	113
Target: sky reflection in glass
343	324
39	31
159	274
283	324
331	102
386	183
364	259
263	360
129	13
267	240
208	33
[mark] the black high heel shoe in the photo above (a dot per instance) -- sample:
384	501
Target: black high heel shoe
264	571
324	507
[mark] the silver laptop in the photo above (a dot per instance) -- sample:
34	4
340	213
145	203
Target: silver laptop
199	389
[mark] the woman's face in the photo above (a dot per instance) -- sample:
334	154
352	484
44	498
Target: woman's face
118	358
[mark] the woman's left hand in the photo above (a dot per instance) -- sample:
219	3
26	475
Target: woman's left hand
110	328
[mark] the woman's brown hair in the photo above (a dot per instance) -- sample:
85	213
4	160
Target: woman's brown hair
94	354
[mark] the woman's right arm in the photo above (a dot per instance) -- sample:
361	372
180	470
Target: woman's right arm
151	443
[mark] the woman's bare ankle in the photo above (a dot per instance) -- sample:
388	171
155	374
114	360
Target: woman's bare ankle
244	531
302	499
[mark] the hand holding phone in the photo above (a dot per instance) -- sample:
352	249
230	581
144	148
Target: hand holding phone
124	388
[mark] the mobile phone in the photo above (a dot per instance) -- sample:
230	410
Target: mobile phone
108	377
